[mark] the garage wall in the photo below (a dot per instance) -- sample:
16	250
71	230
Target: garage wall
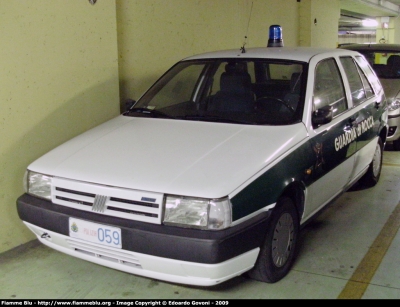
391	34
59	77
324	23
396	31
318	23
154	34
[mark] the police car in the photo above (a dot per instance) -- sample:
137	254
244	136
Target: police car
215	169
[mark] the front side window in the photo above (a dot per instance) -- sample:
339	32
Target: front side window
328	87
249	91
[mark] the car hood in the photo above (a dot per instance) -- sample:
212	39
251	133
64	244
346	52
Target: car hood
170	156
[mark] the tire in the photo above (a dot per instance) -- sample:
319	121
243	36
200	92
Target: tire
277	253
396	145
371	177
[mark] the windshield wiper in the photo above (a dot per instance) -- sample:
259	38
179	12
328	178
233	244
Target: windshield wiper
154	113
218	119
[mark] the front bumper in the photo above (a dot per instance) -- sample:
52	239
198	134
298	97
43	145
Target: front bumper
174	254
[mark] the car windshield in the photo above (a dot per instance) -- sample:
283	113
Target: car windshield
252	91
385	63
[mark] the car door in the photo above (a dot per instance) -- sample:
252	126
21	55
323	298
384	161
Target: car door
366	99
333	143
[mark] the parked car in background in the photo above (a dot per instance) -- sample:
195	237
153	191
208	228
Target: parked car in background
385	59
214	170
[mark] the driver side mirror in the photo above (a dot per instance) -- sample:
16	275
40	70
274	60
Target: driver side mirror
322	116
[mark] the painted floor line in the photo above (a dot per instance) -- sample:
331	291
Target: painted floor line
365	271
391	164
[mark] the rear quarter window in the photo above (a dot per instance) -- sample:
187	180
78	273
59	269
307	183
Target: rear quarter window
372	78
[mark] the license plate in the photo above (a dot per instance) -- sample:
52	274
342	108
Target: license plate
96	233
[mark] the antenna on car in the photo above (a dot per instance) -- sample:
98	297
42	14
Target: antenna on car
242	49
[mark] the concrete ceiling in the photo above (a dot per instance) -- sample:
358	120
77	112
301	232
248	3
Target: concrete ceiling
353	11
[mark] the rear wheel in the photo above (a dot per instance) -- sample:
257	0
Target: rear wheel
278	251
371	177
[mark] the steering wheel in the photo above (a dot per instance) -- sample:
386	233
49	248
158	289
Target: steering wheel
269	100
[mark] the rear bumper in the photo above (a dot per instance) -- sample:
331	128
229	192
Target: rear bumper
173	254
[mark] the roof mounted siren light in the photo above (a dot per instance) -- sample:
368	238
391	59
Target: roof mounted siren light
275	36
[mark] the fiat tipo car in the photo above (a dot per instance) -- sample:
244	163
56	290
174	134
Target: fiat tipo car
213	171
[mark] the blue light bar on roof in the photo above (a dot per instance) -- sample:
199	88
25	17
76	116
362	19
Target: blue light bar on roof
275	36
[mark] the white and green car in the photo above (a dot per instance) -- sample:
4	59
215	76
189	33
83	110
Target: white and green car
215	169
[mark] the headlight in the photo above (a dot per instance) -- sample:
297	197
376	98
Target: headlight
37	184
198	213
394	104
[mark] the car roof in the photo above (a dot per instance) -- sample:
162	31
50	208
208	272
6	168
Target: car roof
372	47
303	54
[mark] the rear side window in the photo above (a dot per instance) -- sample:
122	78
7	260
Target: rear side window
359	85
373	79
328	87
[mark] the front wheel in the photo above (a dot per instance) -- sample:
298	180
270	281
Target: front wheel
277	253
371	177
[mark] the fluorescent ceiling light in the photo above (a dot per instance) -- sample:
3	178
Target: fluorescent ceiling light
369	23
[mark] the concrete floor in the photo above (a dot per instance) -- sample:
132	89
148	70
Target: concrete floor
351	251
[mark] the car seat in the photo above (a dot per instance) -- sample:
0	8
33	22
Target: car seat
235	94
393	66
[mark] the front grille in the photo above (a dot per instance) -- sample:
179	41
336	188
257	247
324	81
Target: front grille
111	201
105	253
